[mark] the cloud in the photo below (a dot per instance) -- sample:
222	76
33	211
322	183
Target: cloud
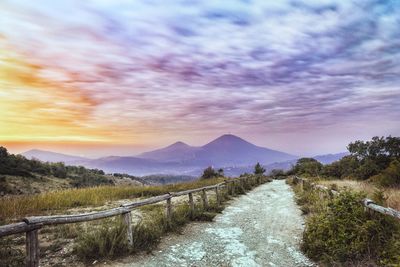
152	67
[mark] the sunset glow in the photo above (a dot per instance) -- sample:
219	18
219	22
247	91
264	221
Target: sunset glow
137	74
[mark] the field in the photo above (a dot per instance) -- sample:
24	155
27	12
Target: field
16	207
83	243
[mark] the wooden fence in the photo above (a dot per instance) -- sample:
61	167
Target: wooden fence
31	225
367	203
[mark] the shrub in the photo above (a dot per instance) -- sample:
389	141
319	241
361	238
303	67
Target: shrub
389	176
345	233
209	173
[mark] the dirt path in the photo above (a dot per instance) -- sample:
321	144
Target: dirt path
262	228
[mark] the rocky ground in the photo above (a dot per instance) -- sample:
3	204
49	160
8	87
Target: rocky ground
262	228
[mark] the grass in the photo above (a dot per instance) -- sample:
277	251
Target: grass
391	195
109	240
10	256
15	207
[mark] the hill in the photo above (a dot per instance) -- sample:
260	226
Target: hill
48	156
19	175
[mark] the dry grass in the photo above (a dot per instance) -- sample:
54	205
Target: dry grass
16	207
392	195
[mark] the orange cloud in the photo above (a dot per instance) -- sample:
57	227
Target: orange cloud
35	108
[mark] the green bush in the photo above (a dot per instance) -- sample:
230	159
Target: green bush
209	173
345	233
389	176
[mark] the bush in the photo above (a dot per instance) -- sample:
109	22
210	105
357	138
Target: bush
345	233
209	173
390	176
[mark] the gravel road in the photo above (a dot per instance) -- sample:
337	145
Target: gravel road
262	228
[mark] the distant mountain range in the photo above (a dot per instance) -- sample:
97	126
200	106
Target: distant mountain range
52	156
227	151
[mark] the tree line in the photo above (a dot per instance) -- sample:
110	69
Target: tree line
377	160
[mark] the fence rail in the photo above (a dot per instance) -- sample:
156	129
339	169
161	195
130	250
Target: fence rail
31	225
367	203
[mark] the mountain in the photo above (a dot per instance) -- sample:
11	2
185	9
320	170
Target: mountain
230	150
177	152
45	156
329	158
232	153
226	150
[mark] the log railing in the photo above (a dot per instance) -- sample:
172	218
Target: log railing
367	203
31	225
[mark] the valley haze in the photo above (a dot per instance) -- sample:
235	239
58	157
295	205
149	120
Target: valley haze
232	153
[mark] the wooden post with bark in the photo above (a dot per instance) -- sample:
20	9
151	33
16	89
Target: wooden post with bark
169	210
191	203
127	220
204	197
32	248
218	198
241	183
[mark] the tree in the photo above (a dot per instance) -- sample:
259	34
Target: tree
389	176
3	152
209	173
375	155
343	168
308	167
258	169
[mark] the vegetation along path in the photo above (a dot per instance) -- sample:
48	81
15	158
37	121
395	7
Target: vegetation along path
262	228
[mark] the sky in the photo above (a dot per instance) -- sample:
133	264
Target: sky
101	77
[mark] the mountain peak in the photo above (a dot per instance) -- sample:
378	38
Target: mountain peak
229	139
179	144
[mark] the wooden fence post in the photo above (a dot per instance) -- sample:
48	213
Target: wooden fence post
230	188
169	209
217	196
241	182
204	197
191	203
127	219
32	248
